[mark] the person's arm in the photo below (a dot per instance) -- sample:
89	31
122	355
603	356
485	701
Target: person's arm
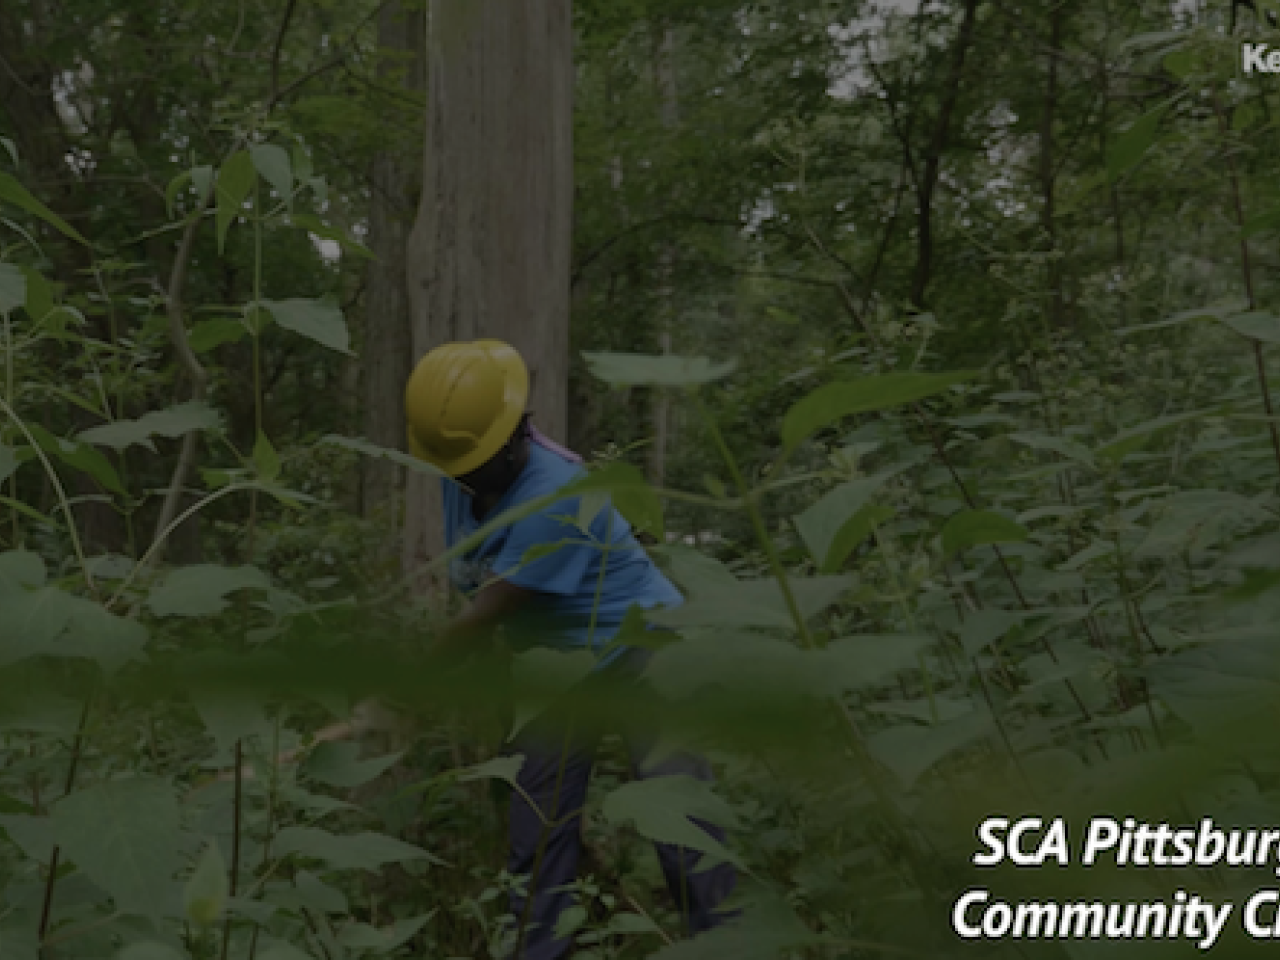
472	630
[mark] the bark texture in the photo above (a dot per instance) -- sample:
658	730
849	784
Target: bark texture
387	357
489	254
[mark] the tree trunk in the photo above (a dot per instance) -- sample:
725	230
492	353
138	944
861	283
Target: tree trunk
665	75
388	346
489	255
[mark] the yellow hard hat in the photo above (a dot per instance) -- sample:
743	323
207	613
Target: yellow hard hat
463	402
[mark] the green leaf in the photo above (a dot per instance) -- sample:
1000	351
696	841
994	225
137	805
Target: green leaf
823	523
10	148
984	627
20	568
1127	149
79	456
1180	63
13	288
320	320
660	370
272	163
150	950
235	179
1256	326
361	936
835	401
767	931
171	191
910	751
1127	441
358	851
313	224
40	301
283	951
208	334
205	895
660	808
201	590
499	768
9	463
265	459
1068	448
339	765
754	603
124	835
32	835
969	528
172	423
855	530
94	633
33	621
19	942
630	493
852	663
311	892
540	676
360	445
16	194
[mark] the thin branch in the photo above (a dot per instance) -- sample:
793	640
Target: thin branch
275	52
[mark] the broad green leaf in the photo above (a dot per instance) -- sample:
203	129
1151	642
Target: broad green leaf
630	493
13	288
309	891
1128	148
852	663
338	764
235	179
172	423
209	334
356	851
970	528
360	445
201	590
9	463
768	930
1261	223
20	568
320	320
283	951
833	402
858	528
754	603
982	628
21	942
32	835
1256	326
313	224
1131	439
1093	551
499	768
40	302
96	634
655	370
205	895
910	751
229	716
79	456
1202	516
660	808
171	191
11	148
265	459
12	192
150	950
361	936
32	620
1180	63
1068	448
540	676
824	521
124	835
272	164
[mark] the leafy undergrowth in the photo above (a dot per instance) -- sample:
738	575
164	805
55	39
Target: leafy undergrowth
1046	591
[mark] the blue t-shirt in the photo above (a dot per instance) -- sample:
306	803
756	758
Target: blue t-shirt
566	579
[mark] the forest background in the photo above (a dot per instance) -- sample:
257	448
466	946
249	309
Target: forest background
931	344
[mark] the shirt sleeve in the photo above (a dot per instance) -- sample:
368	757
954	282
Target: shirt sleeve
562	556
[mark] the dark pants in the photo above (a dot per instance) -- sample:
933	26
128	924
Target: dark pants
559	755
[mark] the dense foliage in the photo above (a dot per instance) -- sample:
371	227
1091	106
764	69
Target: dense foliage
973	495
